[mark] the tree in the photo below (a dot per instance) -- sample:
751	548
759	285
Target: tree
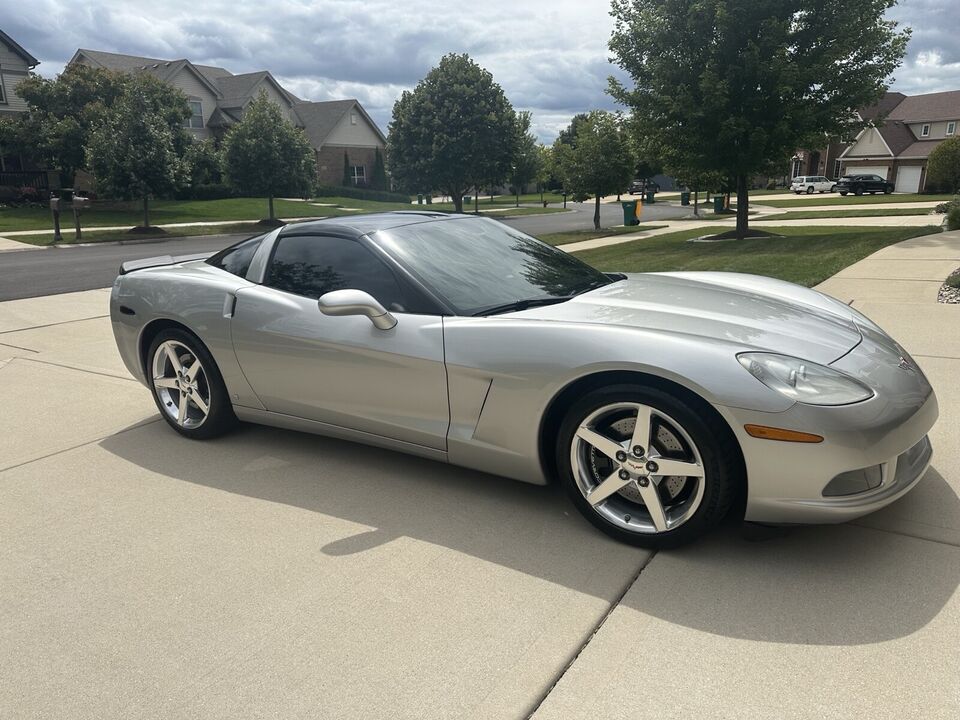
943	166
347	179
453	132
138	145
729	86
265	155
526	155
599	161
205	162
568	136
379	180
544	168
62	112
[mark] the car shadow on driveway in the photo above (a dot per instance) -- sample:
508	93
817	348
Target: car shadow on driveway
829	585
811	585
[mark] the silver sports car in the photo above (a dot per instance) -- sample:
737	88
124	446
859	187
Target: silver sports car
660	401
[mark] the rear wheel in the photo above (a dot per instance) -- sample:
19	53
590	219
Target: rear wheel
858	192
187	386
645	467
887	190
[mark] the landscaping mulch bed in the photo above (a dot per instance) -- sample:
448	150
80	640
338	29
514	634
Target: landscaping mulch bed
950	290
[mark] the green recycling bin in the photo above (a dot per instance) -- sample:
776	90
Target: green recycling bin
630	212
419	198
685	198
718	204
467	199
651	197
429	199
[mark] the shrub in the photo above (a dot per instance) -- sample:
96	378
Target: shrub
953	218
946	207
359	194
772	185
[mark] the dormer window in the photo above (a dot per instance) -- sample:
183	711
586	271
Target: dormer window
951	127
353	118
925	130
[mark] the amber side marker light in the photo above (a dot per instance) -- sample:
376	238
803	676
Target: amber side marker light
771	433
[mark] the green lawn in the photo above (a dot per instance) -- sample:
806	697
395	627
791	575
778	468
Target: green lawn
852	212
108	235
572	236
805	255
840	200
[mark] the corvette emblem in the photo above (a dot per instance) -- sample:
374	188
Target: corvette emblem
904	364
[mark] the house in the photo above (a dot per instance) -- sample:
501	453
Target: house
15	64
218	99
897	147
902	132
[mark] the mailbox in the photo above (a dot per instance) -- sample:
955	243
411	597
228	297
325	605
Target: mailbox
55	204
80	203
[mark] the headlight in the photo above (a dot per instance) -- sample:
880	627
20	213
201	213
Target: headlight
804	381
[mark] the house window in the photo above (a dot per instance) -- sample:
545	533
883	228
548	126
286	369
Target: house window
796	168
353	118
951	127
836	168
3	91
196	115
924	130
358	174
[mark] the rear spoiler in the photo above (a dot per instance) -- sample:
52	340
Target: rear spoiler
159	261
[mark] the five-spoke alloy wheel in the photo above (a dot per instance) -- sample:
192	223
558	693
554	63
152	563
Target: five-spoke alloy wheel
644	466
187	386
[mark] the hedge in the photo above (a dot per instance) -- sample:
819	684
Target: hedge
356	193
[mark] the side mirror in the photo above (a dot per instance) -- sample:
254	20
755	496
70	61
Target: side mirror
356	302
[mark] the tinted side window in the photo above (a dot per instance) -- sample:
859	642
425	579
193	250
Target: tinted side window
236	259
309	265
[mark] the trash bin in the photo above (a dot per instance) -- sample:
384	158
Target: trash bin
467	199
429	199
685	198
651	197
718	204
630	212
419	198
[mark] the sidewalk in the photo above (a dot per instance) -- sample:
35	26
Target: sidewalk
857	620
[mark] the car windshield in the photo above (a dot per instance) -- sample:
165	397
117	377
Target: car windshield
478	264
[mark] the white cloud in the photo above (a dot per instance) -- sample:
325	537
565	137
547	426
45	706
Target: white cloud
550	56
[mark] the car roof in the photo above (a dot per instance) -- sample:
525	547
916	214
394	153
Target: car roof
371	222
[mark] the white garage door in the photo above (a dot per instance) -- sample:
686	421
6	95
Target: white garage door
881	171
908	179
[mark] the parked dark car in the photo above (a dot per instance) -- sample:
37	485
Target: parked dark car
860	184
642	186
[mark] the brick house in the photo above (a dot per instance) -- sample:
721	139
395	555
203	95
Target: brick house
902	132
218	99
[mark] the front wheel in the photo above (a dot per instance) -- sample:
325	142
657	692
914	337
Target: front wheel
843	193
888	190
810	190
645	467
187	386
858	192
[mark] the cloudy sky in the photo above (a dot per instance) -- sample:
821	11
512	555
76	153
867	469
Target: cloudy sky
549	56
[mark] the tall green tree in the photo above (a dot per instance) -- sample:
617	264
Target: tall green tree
62	114
138	145
526	155
730	86
454	131
943	166
265	155
379	180
599	161
544	168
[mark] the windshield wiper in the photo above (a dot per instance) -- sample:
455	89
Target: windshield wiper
518	305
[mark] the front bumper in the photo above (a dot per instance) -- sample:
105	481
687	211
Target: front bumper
786	481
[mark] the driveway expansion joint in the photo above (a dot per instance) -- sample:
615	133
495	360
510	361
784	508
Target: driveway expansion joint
593	633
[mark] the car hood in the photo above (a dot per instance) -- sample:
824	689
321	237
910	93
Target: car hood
747	310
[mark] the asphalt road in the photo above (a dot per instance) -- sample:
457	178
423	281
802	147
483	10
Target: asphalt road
32	273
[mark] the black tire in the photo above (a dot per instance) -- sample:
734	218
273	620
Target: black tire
718	452
843	193
833	188
887	190
810	190
858	192
220	418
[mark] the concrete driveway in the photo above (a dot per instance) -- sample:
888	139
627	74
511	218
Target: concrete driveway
275	574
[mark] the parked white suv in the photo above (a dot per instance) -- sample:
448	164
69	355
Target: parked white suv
811	183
